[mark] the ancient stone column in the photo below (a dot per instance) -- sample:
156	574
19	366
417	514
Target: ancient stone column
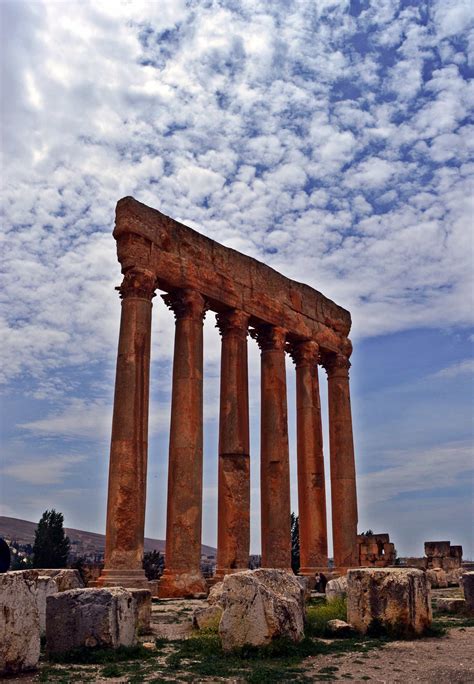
310	460
274	454
128	452
182	575
233	529
341	446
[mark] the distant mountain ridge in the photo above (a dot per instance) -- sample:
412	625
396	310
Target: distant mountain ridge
23	531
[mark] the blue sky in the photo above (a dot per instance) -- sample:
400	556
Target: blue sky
332	140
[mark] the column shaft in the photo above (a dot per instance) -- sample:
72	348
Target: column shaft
274	464
233	533
310	460
343	480
182	575
128	452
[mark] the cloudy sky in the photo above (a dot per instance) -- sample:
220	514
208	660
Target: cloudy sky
330	139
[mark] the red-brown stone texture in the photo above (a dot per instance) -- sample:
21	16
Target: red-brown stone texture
197	274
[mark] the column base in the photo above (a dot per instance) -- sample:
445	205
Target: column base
128	579
174	584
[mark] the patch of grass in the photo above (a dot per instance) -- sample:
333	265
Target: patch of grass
111	670
99	656
318	615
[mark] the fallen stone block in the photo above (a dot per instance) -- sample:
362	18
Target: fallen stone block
437	578
259	606
215	594
65	578
339	628
142	598
336	589
45	586
207	617
452	605
19	622
468	589
106	618
392	600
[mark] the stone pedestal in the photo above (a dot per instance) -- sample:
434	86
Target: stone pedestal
182	576
274	465
311	484
233	531
341	446
128	453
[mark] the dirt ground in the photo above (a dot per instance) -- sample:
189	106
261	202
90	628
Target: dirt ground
441	660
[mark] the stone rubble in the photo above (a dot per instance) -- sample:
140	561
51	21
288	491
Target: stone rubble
336	589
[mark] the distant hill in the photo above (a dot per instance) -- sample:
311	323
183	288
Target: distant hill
23	531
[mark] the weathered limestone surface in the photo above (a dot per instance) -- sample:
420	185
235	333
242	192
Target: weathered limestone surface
142	598
91	617
391	599
19	622
260	605
209	616
65	578
336	589
182	575
452	605
310	459
233	519
339	628
45	586
468	589
274	451
437	578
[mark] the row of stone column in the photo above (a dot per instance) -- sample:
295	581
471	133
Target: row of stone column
127	477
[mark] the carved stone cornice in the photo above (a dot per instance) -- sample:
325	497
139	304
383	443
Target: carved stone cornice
137	284
336	364
233	322
304	353
269	337
186	304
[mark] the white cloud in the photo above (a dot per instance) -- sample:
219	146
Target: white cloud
411	472
43	471
465	367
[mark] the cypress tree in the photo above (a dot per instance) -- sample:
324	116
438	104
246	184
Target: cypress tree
51	547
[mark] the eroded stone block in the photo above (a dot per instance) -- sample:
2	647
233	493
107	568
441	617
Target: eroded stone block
260	605
45	586
394	600
336	589
19	622
91	617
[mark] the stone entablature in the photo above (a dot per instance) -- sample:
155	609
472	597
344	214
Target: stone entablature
283	316
181	258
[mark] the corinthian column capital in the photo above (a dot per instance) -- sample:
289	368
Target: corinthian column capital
269	337
304	353
186	304
138	284
336	364
233	322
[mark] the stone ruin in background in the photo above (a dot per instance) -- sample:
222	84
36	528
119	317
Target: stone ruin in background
438	554
283	316
376	550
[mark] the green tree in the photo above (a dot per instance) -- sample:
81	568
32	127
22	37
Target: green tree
295	543
51	547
